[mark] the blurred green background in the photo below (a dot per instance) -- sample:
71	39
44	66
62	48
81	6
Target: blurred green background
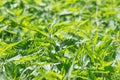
59	40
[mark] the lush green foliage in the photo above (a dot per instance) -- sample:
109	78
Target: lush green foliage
59	40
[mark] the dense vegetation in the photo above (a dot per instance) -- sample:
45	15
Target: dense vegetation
59	39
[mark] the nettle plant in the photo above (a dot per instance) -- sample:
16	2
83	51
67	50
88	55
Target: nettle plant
59	40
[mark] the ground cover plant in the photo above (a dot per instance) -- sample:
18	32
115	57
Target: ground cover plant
59	39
